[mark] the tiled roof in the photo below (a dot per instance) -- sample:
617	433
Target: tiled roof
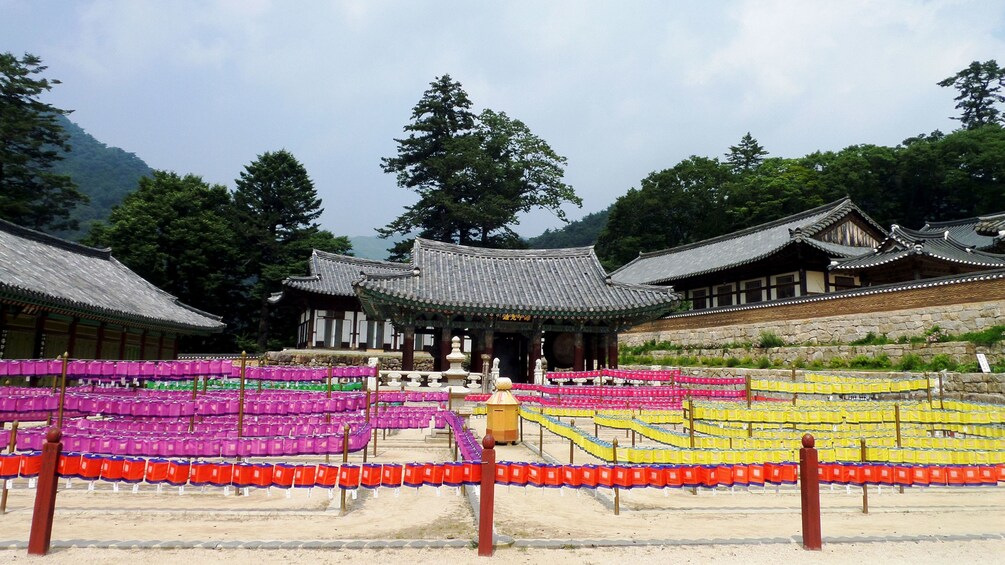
991	225
534	282
947	281
964	231
334	274
904	243
36	268
742	247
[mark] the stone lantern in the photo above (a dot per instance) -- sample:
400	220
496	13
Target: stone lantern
503	418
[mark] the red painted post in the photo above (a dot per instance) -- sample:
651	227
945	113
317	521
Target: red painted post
809	486
487	496
45	495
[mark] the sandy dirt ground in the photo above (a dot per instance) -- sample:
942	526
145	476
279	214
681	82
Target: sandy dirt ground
681	521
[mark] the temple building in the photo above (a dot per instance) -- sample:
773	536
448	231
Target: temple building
787	258
938	249
58	296
556	305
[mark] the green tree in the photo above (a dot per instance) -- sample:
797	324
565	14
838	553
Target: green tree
276	206
746	155
671	207
173	231
777	188
431	161
473	175
31	140
980	91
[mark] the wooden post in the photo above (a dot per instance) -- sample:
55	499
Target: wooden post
617	493
690	420
572	446
195	391
487	497
747	380
62	391
345	459
942	391
10	449
865	487
896	422
633	437
240	399
521	428
540	438
928	389
809	489
45	495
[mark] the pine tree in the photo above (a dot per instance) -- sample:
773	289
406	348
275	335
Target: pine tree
276	208
980	90
474	174
30	143
745	156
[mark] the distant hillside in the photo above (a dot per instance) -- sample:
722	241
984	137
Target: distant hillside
575	234
105	174
370	246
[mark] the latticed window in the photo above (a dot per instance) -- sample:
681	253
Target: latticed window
785	286
753	291
699	299
724	295
844	283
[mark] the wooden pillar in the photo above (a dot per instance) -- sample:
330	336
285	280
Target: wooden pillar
534	353
311	328
602	351
160	346
444	349
174	347
612	350
72	342
39	344
101	340
577	363
143	345
590	347
489	349
122	342
802	283
477	346
339	324
408	350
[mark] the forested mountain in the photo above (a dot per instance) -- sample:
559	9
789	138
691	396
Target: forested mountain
579	233
105	174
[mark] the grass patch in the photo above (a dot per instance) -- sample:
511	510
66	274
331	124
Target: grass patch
769	339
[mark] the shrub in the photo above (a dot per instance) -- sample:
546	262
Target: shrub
763	363
909	362
871	339
798	363
732	362
986	337
747	361
816	364
769	339
942	361
861	362
837	363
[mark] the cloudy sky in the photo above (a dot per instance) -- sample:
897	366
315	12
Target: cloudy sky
619	88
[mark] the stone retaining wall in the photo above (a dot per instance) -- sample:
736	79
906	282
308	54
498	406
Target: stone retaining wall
957	350
956	308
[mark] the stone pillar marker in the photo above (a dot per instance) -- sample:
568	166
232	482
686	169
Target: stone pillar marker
456	375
